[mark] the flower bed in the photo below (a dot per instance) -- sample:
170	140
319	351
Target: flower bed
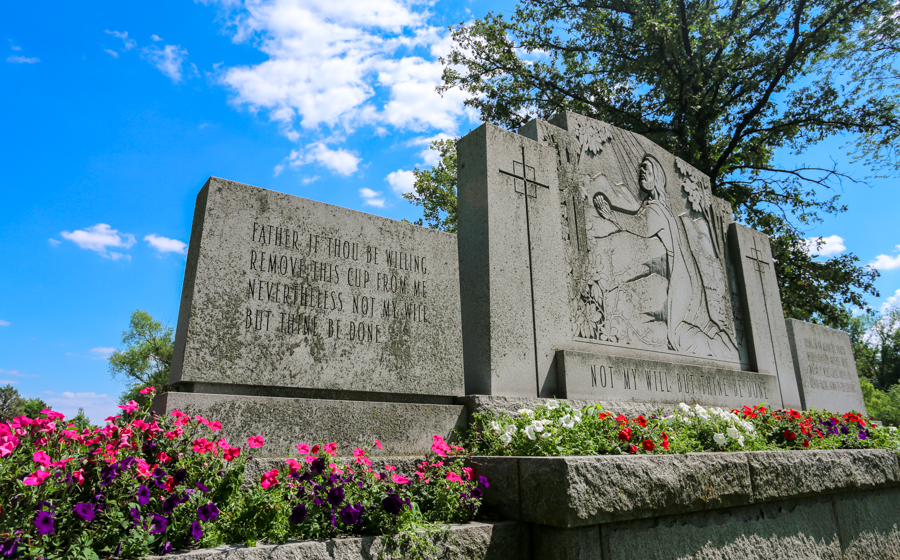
556	429
144	484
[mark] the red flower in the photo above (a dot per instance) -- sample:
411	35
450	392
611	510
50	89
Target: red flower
632	448
170	484
648	445
806	443
625	434
794	414
789	435
163	458
621	419
642	422
314	450
665	441
232	453
203	446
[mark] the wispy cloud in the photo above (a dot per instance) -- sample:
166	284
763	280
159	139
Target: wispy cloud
96	406
103	352
16	373
99	238
16	59
54	242
166	245
372	198
891	301
169	60
887	262
8	382
128	43
111	53
4	323
155	38
341	161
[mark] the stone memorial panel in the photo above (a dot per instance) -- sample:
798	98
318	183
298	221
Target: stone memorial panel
575	235
290	297
826	370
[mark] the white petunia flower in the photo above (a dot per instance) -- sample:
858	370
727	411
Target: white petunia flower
568	421
740	440
506	437
525	412
537	425
577	414
529	431
511	429
720	439
495	427
552	404
733	433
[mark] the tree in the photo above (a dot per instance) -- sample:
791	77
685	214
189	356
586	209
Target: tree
32	407
11	403
435	189
723	85
147	357
876	347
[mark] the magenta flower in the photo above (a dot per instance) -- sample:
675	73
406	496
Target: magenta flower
255	441
36	478
130	407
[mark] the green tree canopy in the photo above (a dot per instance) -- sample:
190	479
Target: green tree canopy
435	189
12	404
722	85
146	359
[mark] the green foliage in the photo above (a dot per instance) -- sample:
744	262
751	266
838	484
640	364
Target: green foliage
722	85
876	347
882	405
32	407
12	404
435	189
147	357
558	429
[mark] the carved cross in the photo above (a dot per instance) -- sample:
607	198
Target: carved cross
523	178
758	261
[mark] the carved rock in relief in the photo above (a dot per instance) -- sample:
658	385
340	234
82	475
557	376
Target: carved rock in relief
656	278
593	135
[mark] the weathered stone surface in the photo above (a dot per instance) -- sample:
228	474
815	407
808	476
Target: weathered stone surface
780	474
826	370
581	491
793	530
501	499
614	378
769	349
294	295
473	541
580	237
579	543
403	428
510	261
869	524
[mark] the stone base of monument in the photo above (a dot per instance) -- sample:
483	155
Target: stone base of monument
826	504
402	428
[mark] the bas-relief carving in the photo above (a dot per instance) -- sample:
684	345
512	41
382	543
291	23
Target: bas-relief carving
647	240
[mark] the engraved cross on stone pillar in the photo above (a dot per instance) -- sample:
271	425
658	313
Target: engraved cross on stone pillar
523	178
758	262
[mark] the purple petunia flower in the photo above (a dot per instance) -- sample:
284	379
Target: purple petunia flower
477	493
143	495
148	446
118	549
208	512
483	481
352	515
317	466
298	514
202	488
166	548
135	516
179	476
392	504
158	524
336	496
44	523
196	531
84	510
845	430
863	435
9	547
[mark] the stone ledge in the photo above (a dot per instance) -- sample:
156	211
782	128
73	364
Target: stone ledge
403	428
476	541
579	491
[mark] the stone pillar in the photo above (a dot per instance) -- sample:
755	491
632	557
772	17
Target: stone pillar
512	263
769	349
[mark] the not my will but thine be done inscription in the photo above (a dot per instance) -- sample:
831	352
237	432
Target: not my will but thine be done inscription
330	287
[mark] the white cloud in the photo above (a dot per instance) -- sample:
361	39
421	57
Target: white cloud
372	198
168	60
156	38
8	382
891	301
16	59
128	43
401	182
15	48
96	406
430	157
15	372
825	246
103	352
886	262
100	238
5	323
341	161
111	53
330	60
166	245
308	180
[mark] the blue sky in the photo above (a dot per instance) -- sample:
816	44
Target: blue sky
115	113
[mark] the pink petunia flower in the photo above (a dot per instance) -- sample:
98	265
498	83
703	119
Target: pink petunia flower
378	444
390	468
78	476
222	443
147	390
232	453
303	448
255	441
269	479
358	452
201	419
130	407
453	477
41	458
203	446
177	413
52	414
399	479
215	426
330	448
36	478
293	464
